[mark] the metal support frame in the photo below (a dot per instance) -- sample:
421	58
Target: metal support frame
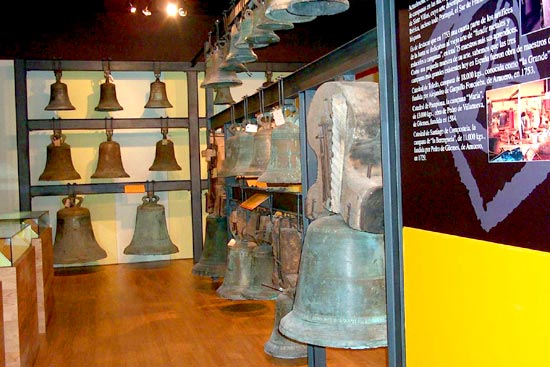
393	217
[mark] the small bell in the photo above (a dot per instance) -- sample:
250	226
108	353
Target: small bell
59	97
165	158
223	96
59	164
157	95
107	97
109	164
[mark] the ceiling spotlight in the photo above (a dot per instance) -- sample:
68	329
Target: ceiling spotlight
133	8
171	9
146	11
182	12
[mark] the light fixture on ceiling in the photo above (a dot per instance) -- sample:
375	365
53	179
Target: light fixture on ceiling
173	8
133	8
146	11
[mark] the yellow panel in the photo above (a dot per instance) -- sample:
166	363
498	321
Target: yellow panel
474	303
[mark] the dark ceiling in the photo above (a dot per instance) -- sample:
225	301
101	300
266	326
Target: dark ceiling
96	30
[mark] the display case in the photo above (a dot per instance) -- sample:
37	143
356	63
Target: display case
18	277
39	221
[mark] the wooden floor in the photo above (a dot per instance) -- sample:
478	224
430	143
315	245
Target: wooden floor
159	314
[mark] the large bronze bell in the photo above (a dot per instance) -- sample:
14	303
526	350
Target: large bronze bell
261	272
318	7
278	345
278	10
150	233
284	160
245	142
260	37
165	157
74	237
239	269
215	77
264	22
109	163
261	149
157	95
213	261
223	96
340	297
107	96
231	153
59	164
59	96
238	54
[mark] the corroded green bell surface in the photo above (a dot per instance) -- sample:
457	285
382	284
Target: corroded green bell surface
74	237
238	271
243	54
231	154
278	345
216	77
263	22
318	7
340	297
150	233
278	10
246	148
284	160
260	286
213	261
261	151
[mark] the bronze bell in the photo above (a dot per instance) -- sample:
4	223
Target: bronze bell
261	149
213	261
107	97
216	77
284	160
165	158
231	153
340	297
238	54
150	233
261	271
278	345
59	164
157	95
59	97
245	142
238	271
223	96
264	22
278	10
109	164
260	37
318	7
74	237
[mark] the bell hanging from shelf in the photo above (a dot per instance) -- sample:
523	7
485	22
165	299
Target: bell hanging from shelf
59	164
109	163
157	95
59	96
165	158
107	97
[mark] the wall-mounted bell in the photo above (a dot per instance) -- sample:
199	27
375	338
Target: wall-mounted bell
157	94
151	235
74	237
223	96
59	96
278	10
340	297
59	164
318	7
107	97
165	157
284	161
213	261
109	163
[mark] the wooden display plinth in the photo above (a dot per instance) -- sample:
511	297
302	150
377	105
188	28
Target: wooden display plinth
21	341
44	277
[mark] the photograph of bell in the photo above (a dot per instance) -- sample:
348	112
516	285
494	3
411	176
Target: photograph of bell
165	157
318	7
59	163
284	160
59	96
109	163
278	10
107	97
74	237
157	94
278	345
340	296
239	270
223	96
213	260
150	233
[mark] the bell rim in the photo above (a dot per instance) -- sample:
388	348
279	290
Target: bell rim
312	8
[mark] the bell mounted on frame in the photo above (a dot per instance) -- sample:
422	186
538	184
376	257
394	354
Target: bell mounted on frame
278	10
109	164
107	97
165	157
317	7
223	96
59	96
59	164
263	22
157	95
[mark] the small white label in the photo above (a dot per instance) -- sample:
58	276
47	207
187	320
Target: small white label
231	242
278	116
251	128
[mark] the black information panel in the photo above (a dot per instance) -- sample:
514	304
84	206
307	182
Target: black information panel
474	119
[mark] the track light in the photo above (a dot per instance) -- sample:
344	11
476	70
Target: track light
172	8
133	8
146	11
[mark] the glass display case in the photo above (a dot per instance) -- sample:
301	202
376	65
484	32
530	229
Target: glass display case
15	238
38	220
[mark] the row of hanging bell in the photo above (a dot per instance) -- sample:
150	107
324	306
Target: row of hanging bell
151	235
59	96
75	241
213	260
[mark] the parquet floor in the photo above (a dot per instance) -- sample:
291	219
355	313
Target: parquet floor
158	314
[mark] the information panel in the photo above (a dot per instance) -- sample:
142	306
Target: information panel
474	119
